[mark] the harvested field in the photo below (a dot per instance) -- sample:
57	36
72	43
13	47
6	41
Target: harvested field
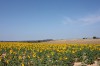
76	41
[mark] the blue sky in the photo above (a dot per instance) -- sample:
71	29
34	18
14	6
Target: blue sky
49	19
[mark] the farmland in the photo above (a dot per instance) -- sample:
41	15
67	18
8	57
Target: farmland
52	53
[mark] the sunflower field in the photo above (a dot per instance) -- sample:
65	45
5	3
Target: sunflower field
44	54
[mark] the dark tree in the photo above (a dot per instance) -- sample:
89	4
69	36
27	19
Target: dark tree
94	37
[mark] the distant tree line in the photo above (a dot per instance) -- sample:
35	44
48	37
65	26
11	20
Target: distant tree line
31	41
94	37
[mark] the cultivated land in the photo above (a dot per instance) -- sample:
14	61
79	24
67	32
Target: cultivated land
76	41
51	53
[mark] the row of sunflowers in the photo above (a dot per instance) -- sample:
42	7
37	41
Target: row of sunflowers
44	54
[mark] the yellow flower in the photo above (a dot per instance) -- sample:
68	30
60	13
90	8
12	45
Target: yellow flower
66	58
34	55
7	61
60	58
48	56
52	53
20	57
0	58
11	51
22	64
28	56
73	51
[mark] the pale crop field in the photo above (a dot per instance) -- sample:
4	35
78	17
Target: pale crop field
76	41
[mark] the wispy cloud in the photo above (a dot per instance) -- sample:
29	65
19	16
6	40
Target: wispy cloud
87	20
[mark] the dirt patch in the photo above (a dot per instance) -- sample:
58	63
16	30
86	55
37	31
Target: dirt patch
79	64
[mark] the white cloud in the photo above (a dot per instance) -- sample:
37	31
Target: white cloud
87	20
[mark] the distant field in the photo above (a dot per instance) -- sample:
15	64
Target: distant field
76	41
